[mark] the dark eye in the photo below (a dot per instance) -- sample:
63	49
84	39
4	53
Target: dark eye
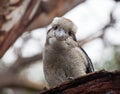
56	27
70	33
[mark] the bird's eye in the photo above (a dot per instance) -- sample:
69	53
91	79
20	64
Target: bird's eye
70	33
56	27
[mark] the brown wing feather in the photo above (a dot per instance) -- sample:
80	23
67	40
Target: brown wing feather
89	66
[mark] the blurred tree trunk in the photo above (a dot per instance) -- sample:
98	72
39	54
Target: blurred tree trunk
18	16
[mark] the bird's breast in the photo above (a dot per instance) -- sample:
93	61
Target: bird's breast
63	59
60	65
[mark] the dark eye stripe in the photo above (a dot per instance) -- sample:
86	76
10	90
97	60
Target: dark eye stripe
70	33
49	30
56	27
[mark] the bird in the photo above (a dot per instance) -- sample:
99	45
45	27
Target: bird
63	58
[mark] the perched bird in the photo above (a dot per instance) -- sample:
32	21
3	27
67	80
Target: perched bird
63	58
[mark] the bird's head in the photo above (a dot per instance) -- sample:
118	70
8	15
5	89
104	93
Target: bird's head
63	28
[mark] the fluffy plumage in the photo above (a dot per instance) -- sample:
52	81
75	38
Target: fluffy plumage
64	23
63	58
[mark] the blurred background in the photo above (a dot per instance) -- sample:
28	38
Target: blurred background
23	28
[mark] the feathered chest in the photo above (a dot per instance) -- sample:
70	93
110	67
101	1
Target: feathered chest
63	57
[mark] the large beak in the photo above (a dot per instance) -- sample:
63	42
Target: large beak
60	34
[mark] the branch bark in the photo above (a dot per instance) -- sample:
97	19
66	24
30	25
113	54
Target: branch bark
101	82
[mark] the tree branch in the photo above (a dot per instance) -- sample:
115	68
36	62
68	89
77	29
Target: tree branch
21	62
91	37
100	82
9	79
100	33
51	9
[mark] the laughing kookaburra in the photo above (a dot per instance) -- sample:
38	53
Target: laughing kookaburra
63	58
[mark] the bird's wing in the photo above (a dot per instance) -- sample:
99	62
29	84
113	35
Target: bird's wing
89	66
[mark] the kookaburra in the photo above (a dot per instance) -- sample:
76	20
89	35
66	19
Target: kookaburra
63	58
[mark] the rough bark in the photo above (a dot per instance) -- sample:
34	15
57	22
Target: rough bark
101	82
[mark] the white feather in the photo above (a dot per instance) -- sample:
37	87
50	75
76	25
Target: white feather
65	22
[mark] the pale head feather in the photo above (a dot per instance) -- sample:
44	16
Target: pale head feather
65	23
